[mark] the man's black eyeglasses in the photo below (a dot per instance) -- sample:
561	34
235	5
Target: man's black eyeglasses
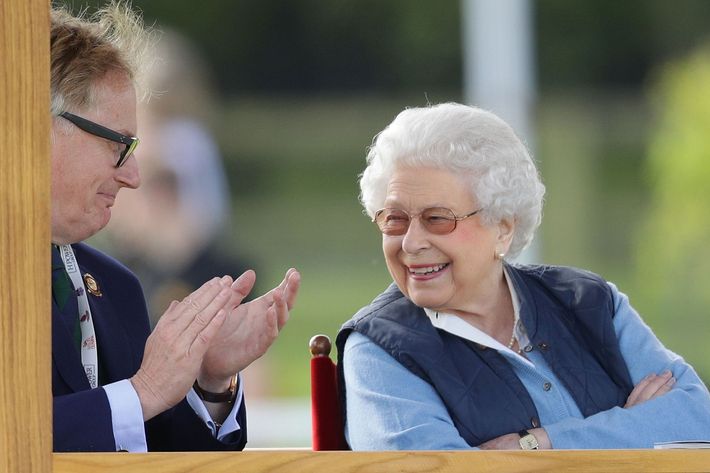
101	131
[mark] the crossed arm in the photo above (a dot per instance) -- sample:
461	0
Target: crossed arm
668	402
648	388
404	412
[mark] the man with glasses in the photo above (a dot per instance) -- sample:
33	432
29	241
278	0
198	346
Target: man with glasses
115	386
131	142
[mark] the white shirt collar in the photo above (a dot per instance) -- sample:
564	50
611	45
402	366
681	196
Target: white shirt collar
457	326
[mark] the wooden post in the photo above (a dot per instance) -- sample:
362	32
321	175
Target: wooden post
25	383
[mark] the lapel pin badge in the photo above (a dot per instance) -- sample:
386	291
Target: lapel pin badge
91	285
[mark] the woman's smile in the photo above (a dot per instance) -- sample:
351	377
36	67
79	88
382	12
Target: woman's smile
423	272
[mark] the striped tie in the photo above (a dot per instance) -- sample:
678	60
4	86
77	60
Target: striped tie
65	296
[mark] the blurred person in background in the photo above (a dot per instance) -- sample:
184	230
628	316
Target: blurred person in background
115	385
170	231
467	350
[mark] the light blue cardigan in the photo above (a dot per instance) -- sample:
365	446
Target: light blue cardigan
389	408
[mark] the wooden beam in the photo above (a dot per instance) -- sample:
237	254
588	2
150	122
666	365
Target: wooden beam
572	461
25	387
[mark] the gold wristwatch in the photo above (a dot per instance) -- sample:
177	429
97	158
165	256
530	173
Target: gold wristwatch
527	440
228	396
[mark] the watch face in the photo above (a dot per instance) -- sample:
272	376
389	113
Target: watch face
528	442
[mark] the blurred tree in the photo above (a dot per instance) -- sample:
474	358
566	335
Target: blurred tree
611	43
257	46
673	255
311	45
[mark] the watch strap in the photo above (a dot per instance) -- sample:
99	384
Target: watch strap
227	396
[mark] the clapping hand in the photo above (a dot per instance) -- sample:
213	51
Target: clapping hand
175	350
249	329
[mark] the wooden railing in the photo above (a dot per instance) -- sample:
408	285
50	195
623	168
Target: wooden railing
25	392
572	461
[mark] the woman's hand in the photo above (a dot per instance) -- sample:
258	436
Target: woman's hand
650	387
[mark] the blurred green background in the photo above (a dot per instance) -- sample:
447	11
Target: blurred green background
622	135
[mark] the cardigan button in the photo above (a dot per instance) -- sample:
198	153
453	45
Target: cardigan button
543	346
535	422
528	348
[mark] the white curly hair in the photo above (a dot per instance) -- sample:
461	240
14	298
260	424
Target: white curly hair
470	142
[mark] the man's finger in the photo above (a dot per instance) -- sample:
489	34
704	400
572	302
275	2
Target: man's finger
280	309
273	324
204	317
267	299
193	303
202	340
241	287
293	283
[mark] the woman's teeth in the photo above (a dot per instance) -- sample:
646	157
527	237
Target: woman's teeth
428	269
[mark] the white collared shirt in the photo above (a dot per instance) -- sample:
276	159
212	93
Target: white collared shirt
457	326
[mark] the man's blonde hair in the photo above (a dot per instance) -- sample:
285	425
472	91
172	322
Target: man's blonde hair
84	48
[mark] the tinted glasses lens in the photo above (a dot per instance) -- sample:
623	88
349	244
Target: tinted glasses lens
438	220
392	221
127	152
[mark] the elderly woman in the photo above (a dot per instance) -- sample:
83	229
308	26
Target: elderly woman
467	350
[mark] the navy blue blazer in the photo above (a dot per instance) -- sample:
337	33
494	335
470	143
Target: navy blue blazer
82	416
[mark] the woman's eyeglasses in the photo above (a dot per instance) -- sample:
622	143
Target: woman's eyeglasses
436	220
131	142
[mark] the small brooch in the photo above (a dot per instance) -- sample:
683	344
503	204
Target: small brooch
91	285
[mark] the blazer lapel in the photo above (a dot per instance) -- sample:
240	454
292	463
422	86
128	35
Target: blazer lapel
111	337
65	357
